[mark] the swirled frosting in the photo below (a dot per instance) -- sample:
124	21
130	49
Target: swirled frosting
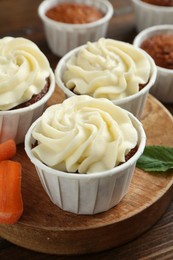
107	68
84	134
23	71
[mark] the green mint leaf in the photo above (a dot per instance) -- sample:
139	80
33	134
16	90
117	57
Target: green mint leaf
156	159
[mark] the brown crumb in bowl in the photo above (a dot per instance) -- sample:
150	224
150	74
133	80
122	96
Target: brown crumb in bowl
159	2
160	48
74	13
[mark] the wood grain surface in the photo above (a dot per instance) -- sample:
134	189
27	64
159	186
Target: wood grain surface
46	228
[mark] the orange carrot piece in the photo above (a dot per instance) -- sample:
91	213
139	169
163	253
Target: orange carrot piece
11	203
7	150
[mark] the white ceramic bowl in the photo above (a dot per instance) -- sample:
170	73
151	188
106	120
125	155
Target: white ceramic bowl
87	193
62	37
163	87
147	15
134	103
15	123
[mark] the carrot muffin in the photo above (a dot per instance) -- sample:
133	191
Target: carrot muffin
26	84
79	149
24	75
107	68
84	135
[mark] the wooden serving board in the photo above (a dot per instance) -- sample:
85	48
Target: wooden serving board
46	228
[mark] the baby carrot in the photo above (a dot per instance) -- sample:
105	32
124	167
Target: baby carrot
11	203
7	149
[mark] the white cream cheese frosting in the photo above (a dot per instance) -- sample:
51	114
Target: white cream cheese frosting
107	68
23	71
84	134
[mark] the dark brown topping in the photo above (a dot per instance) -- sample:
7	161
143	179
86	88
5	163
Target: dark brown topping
131	153
160	48
141	86
73	13
159	2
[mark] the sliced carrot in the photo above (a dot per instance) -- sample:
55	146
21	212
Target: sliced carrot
11	203
7	149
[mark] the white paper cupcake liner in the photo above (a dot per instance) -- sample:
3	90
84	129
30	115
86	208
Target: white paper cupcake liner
147	15
163	87
63	37
87	193
15	123
134	103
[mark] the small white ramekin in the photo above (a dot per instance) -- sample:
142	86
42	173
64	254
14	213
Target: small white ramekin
147	15
15	123
134	103
87	193
163	87
62	37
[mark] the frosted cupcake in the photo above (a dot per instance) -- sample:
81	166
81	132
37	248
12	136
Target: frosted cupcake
85	151
111	69
26	83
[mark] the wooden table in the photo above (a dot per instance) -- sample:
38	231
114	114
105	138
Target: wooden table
19	18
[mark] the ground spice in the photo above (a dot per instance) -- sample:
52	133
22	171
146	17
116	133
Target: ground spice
74	13
159	2
160	48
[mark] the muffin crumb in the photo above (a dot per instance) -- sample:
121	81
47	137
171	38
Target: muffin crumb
160	48
73	13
